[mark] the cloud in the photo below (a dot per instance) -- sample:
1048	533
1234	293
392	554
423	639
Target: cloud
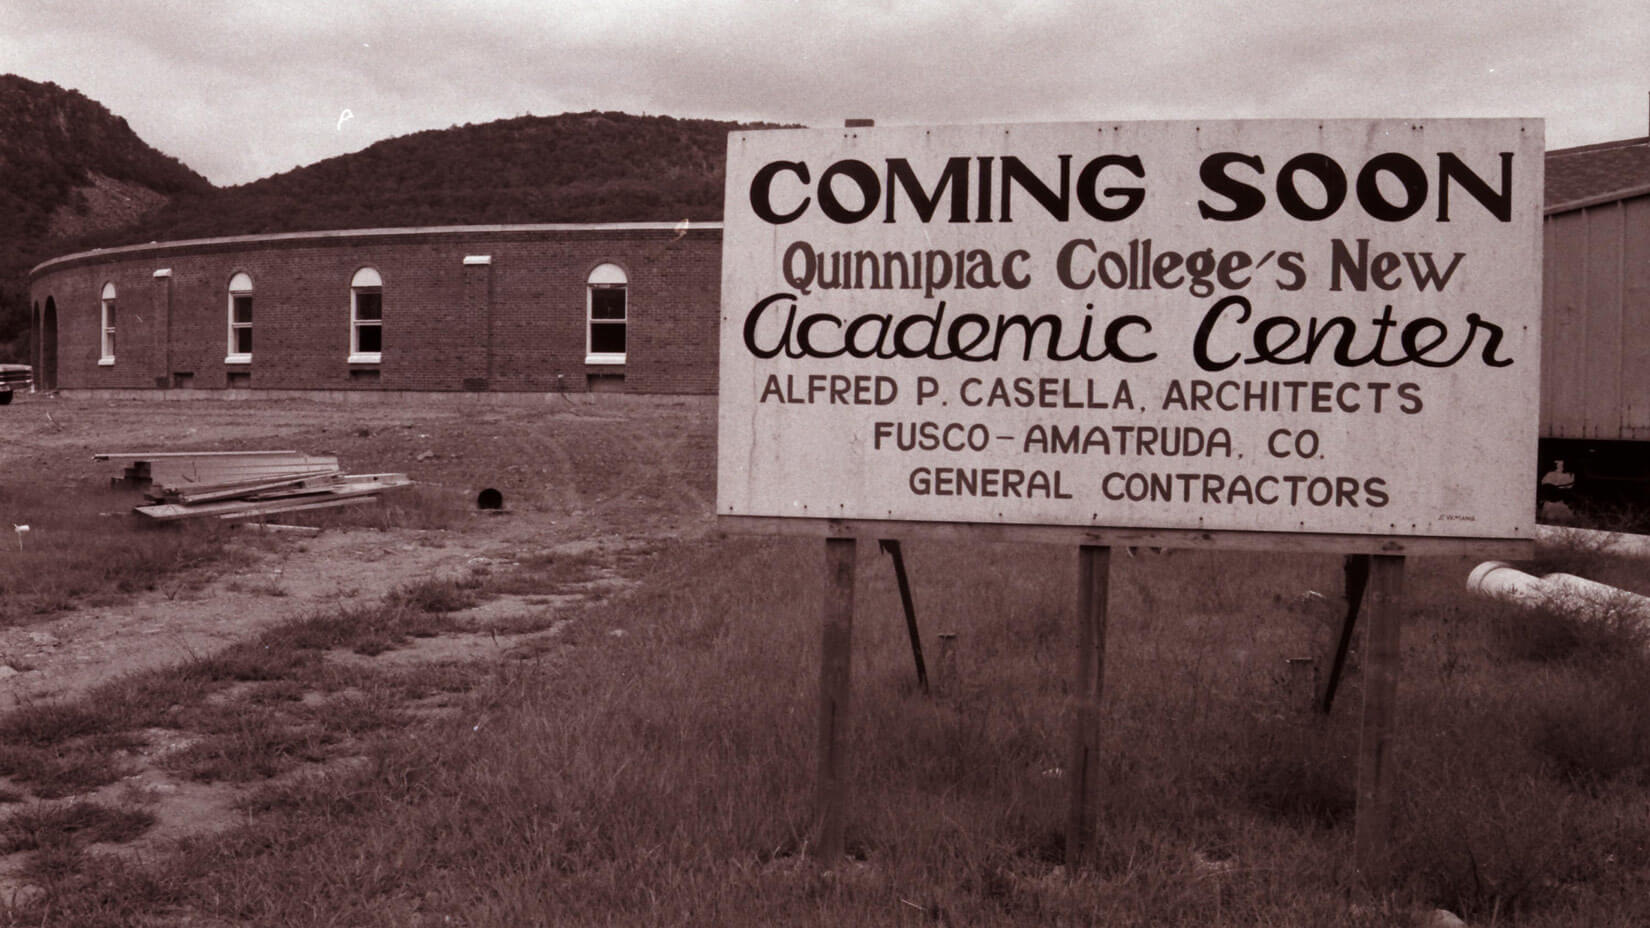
239	91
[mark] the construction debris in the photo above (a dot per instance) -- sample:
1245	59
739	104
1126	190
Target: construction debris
307	530
244	484
180	469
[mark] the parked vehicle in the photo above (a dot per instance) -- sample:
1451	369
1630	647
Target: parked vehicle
14	377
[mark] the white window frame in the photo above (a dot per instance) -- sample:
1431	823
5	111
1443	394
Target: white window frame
240	285
366	280
107	316
605	277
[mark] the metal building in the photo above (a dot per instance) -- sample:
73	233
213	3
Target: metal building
1595	357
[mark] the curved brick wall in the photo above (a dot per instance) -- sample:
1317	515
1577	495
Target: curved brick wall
470	308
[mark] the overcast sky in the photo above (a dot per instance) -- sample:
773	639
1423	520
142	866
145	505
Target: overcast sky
241	90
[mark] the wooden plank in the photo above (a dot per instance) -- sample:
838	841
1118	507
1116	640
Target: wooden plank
241	509
230	491
1083	769
187	472
345	483
217	465
169	511
277	508
835	689
1506	549
151	455
1372	828
277	527
171	487
200	470
231	488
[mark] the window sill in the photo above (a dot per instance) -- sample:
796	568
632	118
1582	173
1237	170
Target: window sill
238	359
105	362
374	357
613	359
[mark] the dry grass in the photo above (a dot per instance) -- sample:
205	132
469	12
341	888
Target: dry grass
652	763
664	776
73	823
85	549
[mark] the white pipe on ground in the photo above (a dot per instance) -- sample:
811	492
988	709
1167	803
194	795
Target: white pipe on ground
1565	593
1586	539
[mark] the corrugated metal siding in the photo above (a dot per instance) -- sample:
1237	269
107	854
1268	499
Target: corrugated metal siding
1595	358
1564	326
1635	264
1601	372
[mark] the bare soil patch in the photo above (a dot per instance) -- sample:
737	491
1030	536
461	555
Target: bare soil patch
589	486
585	477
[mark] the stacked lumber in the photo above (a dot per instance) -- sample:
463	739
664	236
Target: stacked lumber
177	469
245	484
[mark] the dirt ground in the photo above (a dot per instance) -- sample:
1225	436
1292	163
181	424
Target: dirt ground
586	473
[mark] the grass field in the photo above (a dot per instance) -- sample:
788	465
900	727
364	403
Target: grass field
646	756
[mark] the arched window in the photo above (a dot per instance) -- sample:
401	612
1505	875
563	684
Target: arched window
106	316
366	317
240	320
608	311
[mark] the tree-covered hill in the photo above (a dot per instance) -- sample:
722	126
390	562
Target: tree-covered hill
68	167
73	176
576	167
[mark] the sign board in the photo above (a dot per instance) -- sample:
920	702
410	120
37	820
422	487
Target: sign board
1256	326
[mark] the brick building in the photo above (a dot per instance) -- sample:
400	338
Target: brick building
628	307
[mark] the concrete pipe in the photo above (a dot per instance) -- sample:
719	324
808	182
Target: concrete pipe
1563	593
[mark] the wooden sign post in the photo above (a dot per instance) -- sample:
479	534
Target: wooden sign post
1093	579
1372	828
835	692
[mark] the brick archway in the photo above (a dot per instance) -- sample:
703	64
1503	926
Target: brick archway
45	373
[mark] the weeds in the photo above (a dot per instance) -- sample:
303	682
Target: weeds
439	595
1301	784
265	586
418	507
666	776
85	548
1593	727
558	571
1549	635
65	770
253	661
70	824
80	552
243	746
47	724
370	629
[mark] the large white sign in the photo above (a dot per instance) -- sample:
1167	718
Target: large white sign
1281	326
